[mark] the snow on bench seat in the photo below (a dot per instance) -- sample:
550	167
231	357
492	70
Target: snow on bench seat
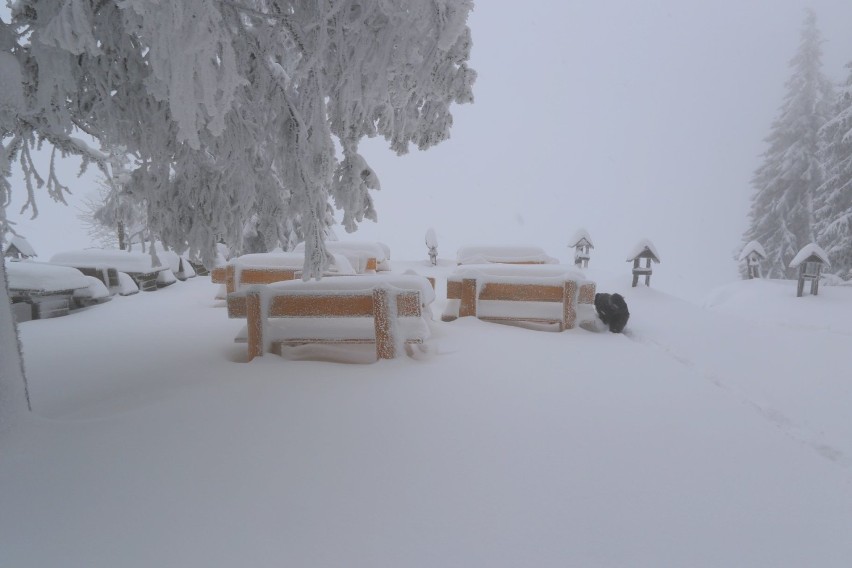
503	255
364	256
266	268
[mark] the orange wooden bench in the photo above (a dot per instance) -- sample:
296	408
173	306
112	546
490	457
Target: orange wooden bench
234	279
325	316
515	297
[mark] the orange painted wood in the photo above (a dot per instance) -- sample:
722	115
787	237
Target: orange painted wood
431	280
569	311
236	306
321	306
254	326
371	265
467	307
265	275
587	293
408	304
385	340
230	279
521	292
454	290
217	275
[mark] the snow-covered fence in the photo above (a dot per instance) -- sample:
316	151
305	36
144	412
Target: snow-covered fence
340	311
512	296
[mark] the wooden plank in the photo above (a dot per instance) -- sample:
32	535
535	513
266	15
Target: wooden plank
408	304
254	314
569	311
236	306
521	292
321	306
371	265
217	275
385	340
587	293
265	275
454	290
467	307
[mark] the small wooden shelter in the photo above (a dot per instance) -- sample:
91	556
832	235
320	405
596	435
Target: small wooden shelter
753	254
809	261
644	249
19	248
581	242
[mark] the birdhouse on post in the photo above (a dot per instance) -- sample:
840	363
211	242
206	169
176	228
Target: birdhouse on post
753	254
19	248
809	261
581	242
644	249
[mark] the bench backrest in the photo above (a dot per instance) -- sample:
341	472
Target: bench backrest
326	304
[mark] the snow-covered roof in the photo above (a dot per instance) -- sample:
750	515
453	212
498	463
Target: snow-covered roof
810	252
44	277
753	247
124	261
641	247
578	238
22	245
503	254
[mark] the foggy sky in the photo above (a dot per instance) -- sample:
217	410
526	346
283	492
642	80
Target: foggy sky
631	119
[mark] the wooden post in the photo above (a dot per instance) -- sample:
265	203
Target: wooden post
635	275
372	265
815	283
255	323
569	311
385	340
648	275
467	306
230	279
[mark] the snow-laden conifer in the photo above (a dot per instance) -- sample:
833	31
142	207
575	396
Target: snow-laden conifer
834	204
786	183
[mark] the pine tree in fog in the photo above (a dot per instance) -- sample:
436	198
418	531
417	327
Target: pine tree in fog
834	203
786	183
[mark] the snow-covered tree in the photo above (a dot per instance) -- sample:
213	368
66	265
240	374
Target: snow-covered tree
786	183
231	108
834	204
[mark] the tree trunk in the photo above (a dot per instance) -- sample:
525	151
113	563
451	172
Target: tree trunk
122	238
14	398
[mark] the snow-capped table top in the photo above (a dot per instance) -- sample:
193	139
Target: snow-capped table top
475	254
44	277
124	261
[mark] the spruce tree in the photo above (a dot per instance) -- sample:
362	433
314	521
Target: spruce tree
834	206
786	184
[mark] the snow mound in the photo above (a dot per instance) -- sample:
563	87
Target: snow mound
123	261
476	254
44	277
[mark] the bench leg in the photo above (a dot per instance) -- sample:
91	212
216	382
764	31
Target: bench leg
254	317
467	305
569	311
385	340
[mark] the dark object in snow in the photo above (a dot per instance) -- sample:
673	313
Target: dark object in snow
612	309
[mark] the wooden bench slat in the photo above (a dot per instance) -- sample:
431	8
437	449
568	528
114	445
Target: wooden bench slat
264	275
521	292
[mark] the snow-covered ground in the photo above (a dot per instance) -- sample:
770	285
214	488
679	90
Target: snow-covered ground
713	435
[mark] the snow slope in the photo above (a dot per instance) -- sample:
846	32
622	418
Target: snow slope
706	436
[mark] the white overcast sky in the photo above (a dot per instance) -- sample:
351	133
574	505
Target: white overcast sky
630	118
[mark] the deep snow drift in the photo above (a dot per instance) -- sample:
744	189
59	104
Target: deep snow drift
714	435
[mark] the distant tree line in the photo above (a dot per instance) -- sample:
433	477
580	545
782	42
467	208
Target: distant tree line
803	188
